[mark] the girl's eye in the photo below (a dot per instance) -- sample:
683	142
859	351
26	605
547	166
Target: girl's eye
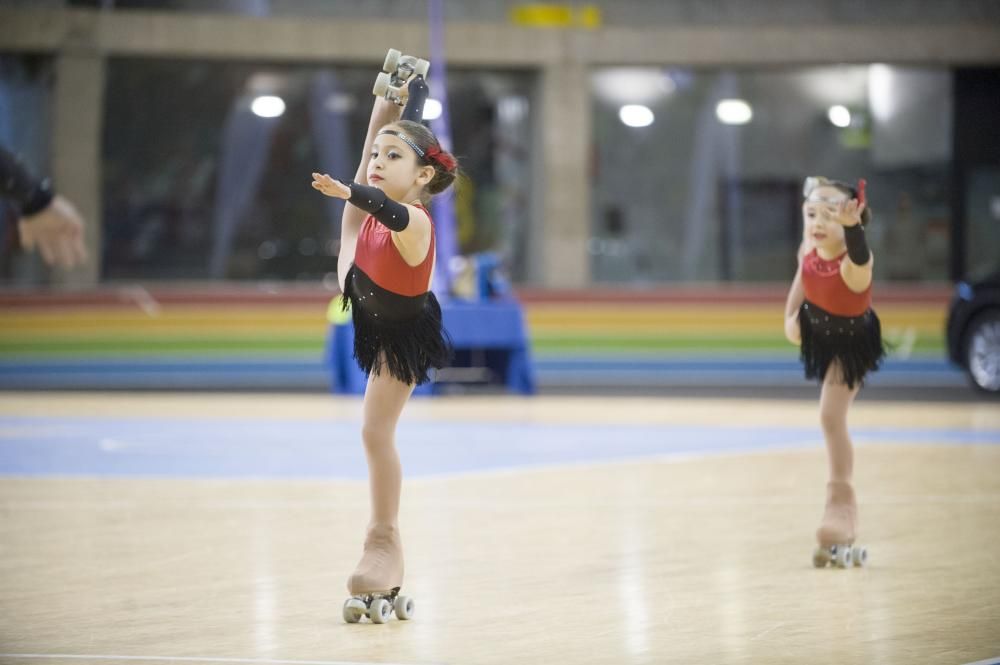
373	154
393	155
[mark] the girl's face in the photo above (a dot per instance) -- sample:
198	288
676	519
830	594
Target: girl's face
818	214
393	168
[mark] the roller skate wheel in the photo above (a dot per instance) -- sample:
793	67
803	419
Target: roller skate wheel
821	557
403	606
379	610
843	557
391	61
421	68
860	555
381	87
354	609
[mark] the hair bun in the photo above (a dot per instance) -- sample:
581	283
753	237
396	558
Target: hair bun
436	154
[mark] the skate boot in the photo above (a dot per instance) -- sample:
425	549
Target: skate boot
835	534
374	585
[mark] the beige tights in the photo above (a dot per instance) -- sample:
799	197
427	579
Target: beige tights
839	521
381	565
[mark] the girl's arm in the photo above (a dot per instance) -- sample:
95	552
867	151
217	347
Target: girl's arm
383	113
414	241
858	278
796	296
410	225
856	271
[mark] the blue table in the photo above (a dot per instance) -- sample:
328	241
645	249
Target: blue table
495	327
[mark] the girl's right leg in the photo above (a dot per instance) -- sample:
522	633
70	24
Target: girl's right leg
381	565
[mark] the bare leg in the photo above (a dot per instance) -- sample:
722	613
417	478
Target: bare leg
834	401
840	516
381	565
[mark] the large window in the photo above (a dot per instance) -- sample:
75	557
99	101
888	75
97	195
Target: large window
207	165
699	172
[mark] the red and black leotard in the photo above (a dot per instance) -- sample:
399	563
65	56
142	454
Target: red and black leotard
397	319
377	256
836	323
825	288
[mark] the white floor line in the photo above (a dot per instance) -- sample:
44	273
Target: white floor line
179	659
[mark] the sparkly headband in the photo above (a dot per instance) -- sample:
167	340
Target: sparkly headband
813	182
839	198
405	139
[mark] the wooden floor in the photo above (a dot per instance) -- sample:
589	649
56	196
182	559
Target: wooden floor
544	530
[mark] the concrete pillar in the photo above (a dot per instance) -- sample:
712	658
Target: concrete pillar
76	149
562	232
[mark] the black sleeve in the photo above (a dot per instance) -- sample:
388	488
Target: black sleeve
857	246
374	201
16	183
419	91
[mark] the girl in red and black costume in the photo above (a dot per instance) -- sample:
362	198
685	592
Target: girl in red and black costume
829	314
385	266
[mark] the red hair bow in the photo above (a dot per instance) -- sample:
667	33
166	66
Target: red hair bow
438	155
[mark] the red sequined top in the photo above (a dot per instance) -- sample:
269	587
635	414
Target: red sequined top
825	287
378	257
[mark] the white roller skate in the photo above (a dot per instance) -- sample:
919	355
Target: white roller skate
378	607
396	70
835	534
374	586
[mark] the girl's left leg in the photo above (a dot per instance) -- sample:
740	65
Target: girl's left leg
381	565
840	516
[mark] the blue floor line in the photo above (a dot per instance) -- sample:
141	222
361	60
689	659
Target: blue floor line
283	449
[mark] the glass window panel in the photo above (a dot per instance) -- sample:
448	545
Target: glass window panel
711	189
167	195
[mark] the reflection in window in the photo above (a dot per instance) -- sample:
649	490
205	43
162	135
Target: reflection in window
207	166
711	189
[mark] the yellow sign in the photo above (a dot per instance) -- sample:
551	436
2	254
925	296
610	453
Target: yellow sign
554	15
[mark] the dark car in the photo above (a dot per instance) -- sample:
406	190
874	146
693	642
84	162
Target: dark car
974	331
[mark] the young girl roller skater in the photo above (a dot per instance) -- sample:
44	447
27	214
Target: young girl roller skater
385	267
829	314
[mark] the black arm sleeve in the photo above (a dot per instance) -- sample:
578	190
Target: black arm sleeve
857	246
414	109
374	201
16	183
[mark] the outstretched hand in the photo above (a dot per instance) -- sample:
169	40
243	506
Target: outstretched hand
847	213
57	232
330	186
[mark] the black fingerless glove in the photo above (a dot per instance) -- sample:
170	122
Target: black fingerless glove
374	201
857	246
419	91
29	194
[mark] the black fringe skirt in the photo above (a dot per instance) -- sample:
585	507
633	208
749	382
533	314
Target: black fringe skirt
855	341
402	335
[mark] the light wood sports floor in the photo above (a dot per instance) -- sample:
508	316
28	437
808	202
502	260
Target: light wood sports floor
206	528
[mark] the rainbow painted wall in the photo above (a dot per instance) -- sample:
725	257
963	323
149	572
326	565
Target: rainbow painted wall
212	329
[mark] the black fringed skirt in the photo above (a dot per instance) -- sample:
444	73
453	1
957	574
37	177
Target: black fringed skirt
855	341
399	334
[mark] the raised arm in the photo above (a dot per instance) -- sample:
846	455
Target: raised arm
383	113
856	271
